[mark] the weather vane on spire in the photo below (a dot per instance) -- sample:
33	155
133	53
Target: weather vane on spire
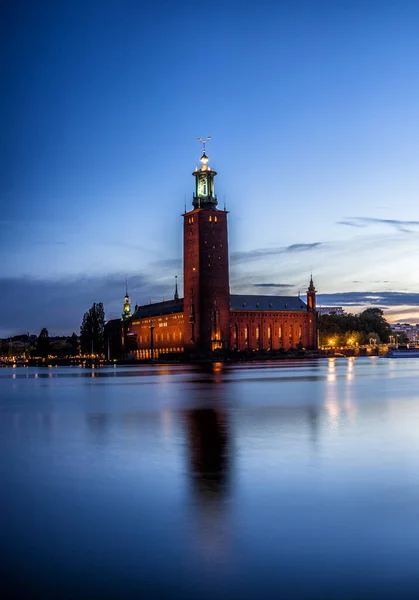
204	142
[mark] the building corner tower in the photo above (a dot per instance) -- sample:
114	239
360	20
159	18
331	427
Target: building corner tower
126	313
205	265
311	308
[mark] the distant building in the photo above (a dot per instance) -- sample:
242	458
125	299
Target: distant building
208	317
330	310
411	332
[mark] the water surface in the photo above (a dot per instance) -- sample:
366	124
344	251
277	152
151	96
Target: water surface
293	479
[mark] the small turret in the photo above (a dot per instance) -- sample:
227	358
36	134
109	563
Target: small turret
126	314
311	296
176	296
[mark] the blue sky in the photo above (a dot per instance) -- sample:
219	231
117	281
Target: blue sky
312	109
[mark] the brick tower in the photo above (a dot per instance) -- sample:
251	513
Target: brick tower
311	307
205	267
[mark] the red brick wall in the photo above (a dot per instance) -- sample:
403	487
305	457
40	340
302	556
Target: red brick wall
311	303
168	335
206	276
287	330
191	275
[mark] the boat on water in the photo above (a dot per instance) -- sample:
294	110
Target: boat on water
404	352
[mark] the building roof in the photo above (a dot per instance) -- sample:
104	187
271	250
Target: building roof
240	302
250	302
167	307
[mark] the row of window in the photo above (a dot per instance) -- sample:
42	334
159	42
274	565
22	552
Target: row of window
148	353
210	219
269	332
160	337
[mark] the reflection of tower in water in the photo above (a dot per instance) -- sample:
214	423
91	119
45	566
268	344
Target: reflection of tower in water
209	466
208	447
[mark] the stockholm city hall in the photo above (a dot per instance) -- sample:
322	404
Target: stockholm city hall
208	318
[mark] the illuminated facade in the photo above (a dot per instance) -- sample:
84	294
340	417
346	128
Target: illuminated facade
208	317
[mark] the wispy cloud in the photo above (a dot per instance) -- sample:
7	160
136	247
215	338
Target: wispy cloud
122	244
370	298
259	253
350	224
174	264
49	243
247	255
302	247
274	285
404	226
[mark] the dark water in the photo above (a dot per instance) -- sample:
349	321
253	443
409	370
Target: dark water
283	480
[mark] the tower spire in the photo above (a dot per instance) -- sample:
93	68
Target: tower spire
311	286
126	313
204	142
176	291
311	307
204	196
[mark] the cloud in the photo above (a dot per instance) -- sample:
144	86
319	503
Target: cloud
407	310
50	243
274	285
397	224
28	304
122	244
302	247
387	299
258	253
246	256
175	264
350	224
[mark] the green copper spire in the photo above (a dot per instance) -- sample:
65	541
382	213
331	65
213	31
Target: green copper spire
127	303
204	196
